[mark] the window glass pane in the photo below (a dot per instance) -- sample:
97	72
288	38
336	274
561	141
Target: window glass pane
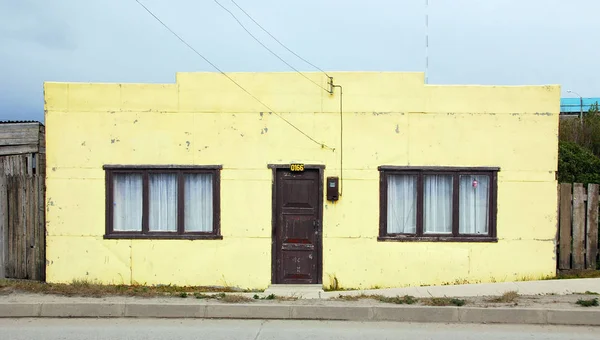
198	209
127	202
402	204
474	204
162	192
437	215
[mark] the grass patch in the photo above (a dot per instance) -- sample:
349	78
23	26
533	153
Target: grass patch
405	300
234	298
86	288
587	292
507	297
334	284
399	300
275	297
577	274
228	298
587	303
352	297
268	297
444	301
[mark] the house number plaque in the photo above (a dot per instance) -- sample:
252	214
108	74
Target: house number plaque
296	167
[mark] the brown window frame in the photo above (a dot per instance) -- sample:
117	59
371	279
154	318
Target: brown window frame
180	233
420	172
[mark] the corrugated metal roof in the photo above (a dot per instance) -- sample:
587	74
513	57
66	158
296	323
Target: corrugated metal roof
18	121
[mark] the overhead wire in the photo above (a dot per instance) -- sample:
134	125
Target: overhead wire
323	145
277	40
267	48
309	63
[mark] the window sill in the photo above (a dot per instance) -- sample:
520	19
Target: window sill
161	237
437	239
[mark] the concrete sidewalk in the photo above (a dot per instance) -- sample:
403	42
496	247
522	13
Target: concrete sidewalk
543	287
534	306
559	287
285	311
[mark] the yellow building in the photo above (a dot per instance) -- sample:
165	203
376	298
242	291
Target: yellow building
198	183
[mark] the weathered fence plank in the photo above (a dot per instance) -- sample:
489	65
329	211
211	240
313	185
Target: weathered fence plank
578	256
22	227
592	226
36	222
3	226
565	227
13	259
41	229
30	227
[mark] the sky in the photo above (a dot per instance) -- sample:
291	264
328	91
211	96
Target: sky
502	42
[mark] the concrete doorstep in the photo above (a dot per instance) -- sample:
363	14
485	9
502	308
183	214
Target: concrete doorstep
401	313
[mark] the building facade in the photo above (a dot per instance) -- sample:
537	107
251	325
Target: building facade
198	183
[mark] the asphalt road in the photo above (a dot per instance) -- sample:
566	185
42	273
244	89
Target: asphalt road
154	329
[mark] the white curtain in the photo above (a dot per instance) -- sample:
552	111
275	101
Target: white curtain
402	204
474	204
437	217
127	202
198	208
162	202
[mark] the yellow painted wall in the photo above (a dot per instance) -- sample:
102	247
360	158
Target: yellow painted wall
389	119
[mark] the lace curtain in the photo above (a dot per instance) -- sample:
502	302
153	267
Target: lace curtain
474	204
437	217
127	202
199	202
162	202
402	204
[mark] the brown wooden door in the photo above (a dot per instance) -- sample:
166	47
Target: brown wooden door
297	231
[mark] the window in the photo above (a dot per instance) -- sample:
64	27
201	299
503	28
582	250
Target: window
437	204
162	202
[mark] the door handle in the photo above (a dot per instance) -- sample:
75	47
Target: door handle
316	224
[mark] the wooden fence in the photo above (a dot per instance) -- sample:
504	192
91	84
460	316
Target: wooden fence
578	226
22	227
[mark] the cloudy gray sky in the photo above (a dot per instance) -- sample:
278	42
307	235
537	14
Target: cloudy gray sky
471	41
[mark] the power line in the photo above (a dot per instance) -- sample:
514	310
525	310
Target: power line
277	40
268	49
231	79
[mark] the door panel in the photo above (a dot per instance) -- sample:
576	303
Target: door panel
298	227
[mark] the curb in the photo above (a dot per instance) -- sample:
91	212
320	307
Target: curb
297	312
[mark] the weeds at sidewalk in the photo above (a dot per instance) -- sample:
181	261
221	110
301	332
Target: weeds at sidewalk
85	288
587	303
577	274
229	298
353	297
587	292
404	300
275	297
508	297
399	300
444	301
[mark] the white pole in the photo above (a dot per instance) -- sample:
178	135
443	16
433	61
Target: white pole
426	41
